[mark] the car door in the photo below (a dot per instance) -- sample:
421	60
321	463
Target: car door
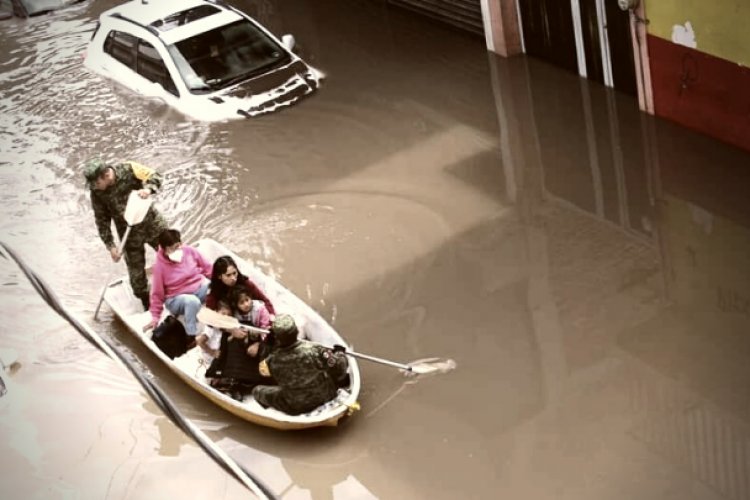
150	66
138	65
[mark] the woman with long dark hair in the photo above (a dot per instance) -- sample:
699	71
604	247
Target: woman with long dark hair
226	276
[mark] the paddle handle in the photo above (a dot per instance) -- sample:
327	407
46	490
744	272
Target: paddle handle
378	360
255	329
123	240
367	357
216	320
104	288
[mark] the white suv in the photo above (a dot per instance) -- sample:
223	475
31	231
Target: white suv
204	58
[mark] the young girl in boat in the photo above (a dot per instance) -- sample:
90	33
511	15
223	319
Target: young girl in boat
242	351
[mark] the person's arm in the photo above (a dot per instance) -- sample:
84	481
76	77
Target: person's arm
264	318
157	294
103	220
204	265
211	301
266	347
150	178
252	351
202	341
257	293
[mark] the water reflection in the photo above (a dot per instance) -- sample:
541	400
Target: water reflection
639	235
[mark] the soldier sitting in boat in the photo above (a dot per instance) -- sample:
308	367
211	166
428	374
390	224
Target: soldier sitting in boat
308	374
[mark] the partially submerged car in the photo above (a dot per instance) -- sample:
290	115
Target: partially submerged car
29	8
203	57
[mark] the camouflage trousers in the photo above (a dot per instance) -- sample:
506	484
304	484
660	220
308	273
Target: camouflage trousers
135	255
292	402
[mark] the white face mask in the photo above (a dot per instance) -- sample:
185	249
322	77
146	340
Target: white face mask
175	256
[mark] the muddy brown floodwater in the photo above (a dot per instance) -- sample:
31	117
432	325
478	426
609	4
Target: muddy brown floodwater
586	266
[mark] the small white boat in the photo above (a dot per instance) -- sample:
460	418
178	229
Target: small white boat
190	368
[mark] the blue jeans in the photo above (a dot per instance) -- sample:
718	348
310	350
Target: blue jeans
187	305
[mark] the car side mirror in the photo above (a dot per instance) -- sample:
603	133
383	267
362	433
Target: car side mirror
288	41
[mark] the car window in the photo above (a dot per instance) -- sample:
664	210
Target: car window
228	54
151	67
121	46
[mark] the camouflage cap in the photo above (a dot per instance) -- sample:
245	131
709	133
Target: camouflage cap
92	169
285	330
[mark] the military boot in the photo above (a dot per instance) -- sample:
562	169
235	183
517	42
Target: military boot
144	298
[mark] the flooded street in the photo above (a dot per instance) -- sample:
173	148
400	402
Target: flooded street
585	265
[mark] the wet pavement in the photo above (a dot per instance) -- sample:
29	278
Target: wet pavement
586	266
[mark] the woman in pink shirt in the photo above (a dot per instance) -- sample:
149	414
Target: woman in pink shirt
179	281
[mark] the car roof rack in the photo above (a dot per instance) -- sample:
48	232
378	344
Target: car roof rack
150	29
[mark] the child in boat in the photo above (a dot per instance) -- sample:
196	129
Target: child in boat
308	374
210	340
252	313
237	366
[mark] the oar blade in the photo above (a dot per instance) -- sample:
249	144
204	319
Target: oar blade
137	208
217	320
430	366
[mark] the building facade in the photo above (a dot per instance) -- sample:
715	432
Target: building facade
685	60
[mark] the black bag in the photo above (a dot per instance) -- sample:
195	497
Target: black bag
170	336
233	362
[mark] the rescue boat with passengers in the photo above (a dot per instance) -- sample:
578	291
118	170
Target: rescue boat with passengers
191	369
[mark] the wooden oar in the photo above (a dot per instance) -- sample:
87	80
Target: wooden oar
135	212
432	365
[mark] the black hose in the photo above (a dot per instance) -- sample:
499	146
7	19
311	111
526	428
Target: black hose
153	390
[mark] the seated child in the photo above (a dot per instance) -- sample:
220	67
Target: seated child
307	374
241	351
250	312
210	340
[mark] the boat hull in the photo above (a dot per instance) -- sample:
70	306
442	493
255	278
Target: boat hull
189	366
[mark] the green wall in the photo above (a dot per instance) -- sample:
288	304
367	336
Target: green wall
722	27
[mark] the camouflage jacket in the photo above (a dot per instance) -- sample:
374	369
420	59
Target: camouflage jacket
306	371
110	204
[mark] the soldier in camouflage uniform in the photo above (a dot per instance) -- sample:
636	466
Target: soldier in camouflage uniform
307	374
110	187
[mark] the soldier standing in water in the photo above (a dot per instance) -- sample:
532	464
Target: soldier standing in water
110	187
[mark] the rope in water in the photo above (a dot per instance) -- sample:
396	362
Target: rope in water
152	389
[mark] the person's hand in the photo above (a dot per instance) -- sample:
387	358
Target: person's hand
150	326
144	193
238	333
114	254
252	351
215	353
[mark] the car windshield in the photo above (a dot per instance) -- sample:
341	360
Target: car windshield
221	57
